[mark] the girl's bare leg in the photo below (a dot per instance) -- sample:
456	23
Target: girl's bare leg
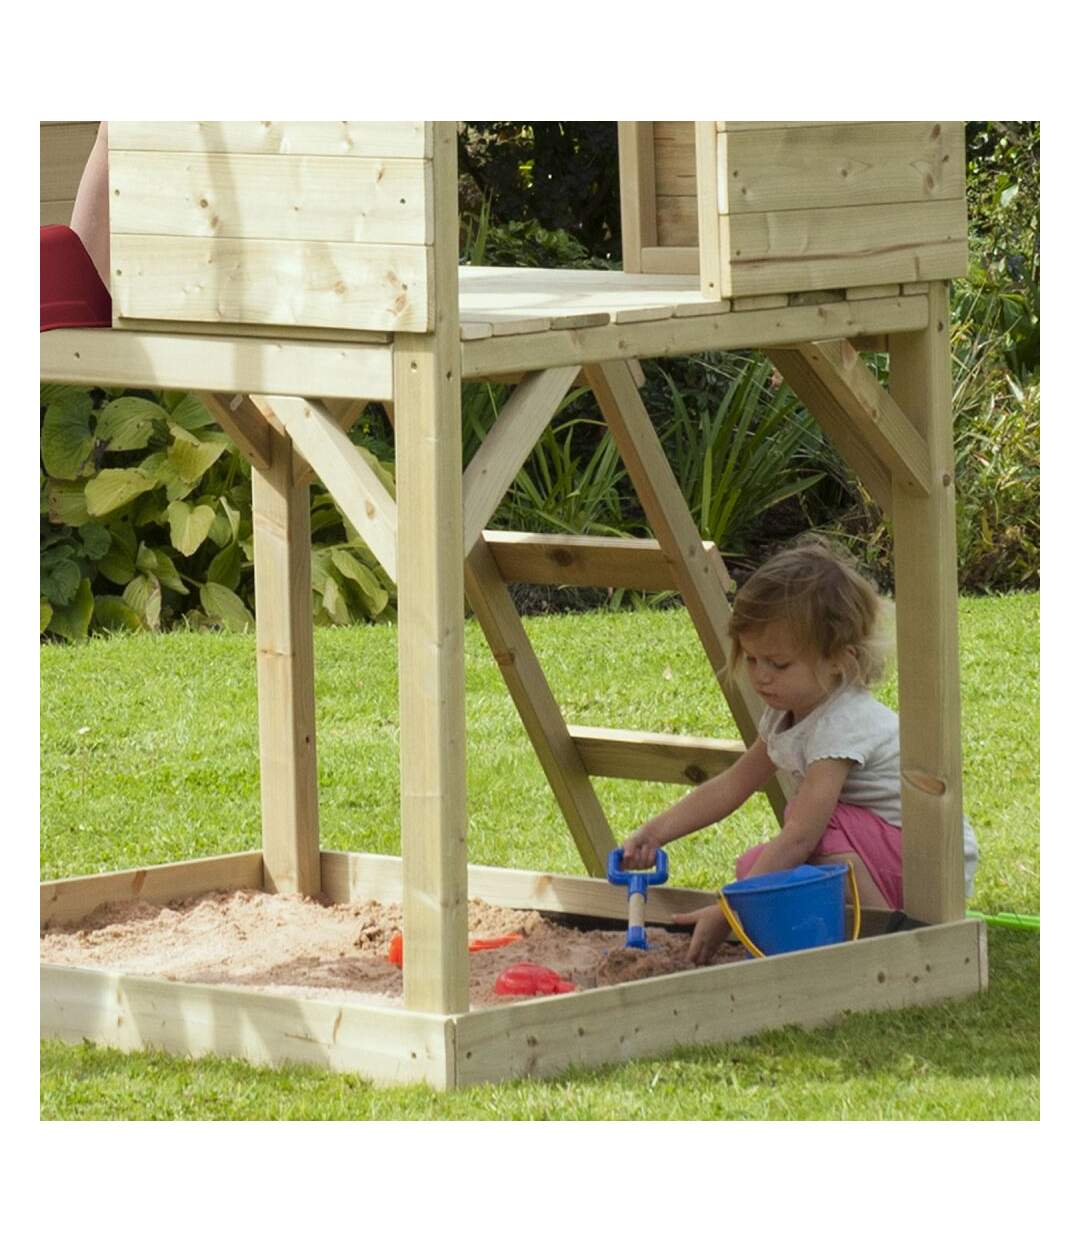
870	896
90	215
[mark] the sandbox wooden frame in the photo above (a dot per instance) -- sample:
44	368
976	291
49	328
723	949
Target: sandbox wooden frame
287	390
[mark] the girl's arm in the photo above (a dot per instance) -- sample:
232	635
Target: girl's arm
807	817
708	803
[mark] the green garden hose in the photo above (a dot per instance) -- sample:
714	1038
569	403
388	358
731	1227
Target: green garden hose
1029	922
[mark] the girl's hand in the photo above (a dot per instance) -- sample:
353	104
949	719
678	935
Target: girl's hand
710	932
639	850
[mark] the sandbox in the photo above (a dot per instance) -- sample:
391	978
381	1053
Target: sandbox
333	1000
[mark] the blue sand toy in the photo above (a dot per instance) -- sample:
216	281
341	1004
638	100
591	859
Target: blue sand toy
638	883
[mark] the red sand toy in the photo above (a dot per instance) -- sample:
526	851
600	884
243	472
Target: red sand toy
530	979
397	945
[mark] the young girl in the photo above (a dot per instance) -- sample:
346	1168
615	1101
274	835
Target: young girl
809	629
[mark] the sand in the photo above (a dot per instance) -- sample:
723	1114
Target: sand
303	946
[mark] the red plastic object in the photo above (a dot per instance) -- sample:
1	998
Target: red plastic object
72	294
496	942
529	979
397	950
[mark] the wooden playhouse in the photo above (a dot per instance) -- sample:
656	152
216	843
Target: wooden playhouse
290	272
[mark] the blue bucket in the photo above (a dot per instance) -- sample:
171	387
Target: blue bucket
787	910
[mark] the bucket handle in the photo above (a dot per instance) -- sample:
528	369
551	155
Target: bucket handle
740	931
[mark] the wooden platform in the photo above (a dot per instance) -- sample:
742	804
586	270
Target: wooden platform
511	320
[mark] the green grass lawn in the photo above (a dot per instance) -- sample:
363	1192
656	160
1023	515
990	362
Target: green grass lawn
149	754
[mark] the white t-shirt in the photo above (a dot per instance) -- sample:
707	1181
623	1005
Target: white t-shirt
851	724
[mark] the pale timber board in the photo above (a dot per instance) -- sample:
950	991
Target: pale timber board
493	294
356	488
676	220
65	146
694	334
637	190
732	127
718	1004
840	166
285	663
431	624
507	445
581	560
69	900
216	363
673	147
928	659
293	332
640	756
498	617
836	247
265	281
353	877
349	139
135	1013
295	198
678	260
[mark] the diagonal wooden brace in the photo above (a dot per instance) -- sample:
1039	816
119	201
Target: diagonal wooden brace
695	571
510	441
355	487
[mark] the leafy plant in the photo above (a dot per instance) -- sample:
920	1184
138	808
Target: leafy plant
146	521
741	456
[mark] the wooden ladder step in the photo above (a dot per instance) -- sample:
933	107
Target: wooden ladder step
671	758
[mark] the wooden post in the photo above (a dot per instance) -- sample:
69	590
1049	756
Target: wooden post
431	627
926	625
281	514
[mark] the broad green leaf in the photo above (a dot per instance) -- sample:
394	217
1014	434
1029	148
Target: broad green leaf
73	622
189	526
373	592
66	439
67	502
54	392
191	414
60	580
167	572
112	489
232	514
111	613
143	595
46	614
334	601
117	565
226	606
128	423
95	540
221	532
192	458
225	567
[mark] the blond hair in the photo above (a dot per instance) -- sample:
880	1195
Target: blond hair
833	613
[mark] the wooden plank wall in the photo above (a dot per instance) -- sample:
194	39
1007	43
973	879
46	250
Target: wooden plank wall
801	206
293	224
65	146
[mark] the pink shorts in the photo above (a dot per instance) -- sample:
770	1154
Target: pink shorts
855	830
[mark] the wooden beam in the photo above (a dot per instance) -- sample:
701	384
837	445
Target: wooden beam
640	756
431	626
872	412
834	421
281	515
214	363
507	445
69	900
242	422
716	1004
637	190
345	413
491	602
677	336
693	568
354	485
926	630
